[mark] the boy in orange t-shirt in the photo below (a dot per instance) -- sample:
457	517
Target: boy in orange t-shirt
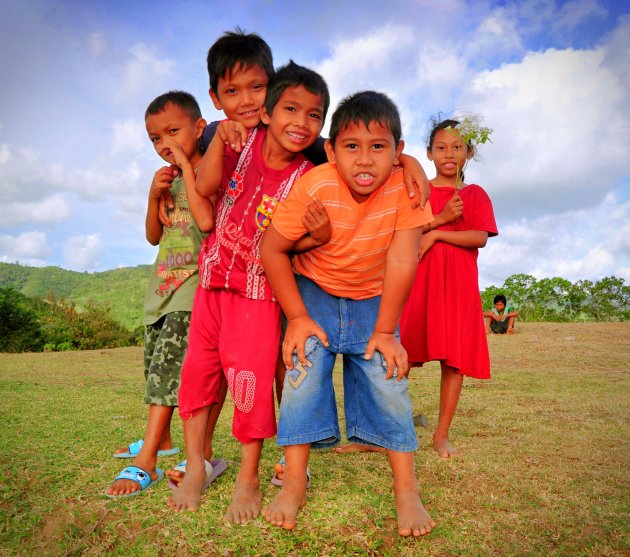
346	299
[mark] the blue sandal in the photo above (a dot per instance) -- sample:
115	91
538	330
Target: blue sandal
134	449
138	475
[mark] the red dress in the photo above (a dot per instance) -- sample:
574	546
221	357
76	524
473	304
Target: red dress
442	319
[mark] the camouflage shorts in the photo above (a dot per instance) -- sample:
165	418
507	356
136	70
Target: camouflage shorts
165	343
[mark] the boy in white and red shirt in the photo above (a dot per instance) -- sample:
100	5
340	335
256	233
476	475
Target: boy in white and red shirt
235	327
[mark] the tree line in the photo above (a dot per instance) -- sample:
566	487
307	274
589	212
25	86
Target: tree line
557	299
53	324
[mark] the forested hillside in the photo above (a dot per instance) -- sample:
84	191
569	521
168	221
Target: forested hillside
122	290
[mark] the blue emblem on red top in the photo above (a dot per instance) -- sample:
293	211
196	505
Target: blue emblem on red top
235	185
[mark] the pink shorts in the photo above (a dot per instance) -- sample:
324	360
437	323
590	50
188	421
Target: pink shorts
239	337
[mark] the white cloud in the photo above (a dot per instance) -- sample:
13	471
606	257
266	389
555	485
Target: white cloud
498	32
583	244
97	43
129	136
47	211
555	146
25	248
576	12
83	252
143	67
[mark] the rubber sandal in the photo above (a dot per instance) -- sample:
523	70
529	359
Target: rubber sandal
134	449
275	480
138	475
214	469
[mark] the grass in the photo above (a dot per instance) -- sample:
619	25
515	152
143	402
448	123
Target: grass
545	469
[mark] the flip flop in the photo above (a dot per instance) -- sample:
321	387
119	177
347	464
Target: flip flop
277	481
138	475
134	449
213	470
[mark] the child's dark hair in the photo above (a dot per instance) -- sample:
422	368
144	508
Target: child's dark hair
500	298
184	100
237	48
367	107
294	75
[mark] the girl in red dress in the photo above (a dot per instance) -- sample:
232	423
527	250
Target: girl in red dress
442	319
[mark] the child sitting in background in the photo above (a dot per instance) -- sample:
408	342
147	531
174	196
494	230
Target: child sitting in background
500	319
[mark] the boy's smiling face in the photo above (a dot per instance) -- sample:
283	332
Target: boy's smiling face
177	125
296	120
241	94
364	157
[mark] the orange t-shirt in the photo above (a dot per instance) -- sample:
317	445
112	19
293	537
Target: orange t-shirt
352	264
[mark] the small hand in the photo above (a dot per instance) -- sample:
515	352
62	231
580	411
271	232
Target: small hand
426	243
233	134
176	151
453	208
162	180
416	182
298	330
317	222
394	354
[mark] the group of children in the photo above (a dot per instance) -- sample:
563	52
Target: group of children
333	269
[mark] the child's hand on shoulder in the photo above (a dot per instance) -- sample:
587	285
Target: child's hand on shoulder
394	354
233	134
298	330
317	222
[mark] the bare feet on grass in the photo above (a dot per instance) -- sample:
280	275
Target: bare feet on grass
413	519
282	511
358	448
188	495
246	501
443	447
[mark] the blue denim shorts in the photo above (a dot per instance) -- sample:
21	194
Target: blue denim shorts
378	412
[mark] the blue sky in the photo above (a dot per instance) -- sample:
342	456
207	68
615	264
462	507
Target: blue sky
551	78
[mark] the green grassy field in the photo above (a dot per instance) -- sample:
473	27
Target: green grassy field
544	471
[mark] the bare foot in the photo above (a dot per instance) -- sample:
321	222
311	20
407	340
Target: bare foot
188	496
126	487
413	519
246	502
282	511
444	448
510	331
358	448
176	476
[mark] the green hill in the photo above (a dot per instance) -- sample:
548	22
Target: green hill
122	290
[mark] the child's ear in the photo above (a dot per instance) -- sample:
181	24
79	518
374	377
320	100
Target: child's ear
470	151
200	125
330	151
399	150
264	117
215	100
429	155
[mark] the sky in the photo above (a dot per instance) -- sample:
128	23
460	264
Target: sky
551	78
